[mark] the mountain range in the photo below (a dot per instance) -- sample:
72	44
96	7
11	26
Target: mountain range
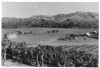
72	20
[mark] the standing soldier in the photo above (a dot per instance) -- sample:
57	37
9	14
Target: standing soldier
5	45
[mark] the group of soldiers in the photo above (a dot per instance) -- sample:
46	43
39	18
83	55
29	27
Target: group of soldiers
21	53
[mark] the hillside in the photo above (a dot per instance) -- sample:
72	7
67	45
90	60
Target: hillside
71	20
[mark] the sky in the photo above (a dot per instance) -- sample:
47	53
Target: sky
28	9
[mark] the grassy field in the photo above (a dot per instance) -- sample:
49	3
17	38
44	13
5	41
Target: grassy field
40	36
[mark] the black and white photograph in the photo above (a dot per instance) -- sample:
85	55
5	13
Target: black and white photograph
50	34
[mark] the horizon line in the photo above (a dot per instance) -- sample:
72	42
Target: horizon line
52	15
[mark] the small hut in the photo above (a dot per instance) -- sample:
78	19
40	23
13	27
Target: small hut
87	34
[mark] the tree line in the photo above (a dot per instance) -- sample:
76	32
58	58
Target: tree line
69	23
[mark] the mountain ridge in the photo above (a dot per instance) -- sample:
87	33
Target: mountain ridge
76	17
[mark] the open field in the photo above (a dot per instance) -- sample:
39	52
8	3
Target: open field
40	36
50	38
